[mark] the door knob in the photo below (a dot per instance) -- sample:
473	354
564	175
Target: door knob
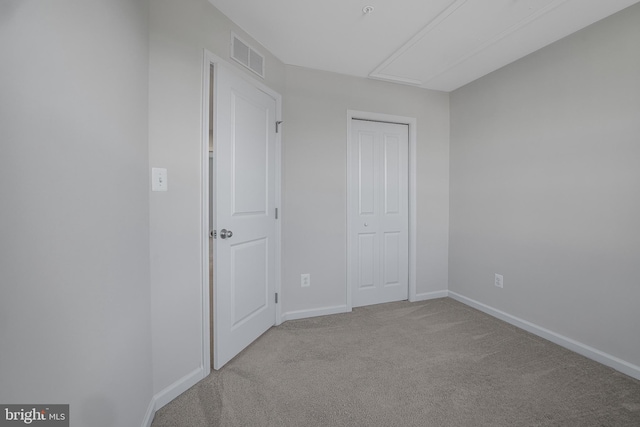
224	233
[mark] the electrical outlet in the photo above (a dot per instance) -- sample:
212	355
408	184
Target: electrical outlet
305	280
499	281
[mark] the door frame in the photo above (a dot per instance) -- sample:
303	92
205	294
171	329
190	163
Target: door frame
210	59
412	123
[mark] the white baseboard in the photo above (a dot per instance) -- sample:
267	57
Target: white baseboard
430	295
177	388
171	392
573	345
151	412
303	314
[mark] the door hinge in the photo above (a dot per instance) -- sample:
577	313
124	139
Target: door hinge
276	213
276	297
278	123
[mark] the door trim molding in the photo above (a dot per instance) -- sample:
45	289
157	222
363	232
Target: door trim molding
210	59
412	123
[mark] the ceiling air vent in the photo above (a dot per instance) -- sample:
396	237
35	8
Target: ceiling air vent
247	56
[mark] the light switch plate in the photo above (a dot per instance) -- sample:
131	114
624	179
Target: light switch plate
159	179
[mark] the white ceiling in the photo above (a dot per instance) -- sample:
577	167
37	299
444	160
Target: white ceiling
433	44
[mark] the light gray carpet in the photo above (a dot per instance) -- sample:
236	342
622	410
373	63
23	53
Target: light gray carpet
433	363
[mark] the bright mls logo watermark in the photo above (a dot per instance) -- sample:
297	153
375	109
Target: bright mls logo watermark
34	415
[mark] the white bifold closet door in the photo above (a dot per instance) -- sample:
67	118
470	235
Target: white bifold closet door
379	204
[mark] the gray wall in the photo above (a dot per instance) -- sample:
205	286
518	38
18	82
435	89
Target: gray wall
74	269
544	187
180	31
314	181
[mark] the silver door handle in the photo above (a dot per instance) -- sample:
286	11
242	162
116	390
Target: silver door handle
224	233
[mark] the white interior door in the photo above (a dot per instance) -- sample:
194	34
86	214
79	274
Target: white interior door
379	204
244	293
